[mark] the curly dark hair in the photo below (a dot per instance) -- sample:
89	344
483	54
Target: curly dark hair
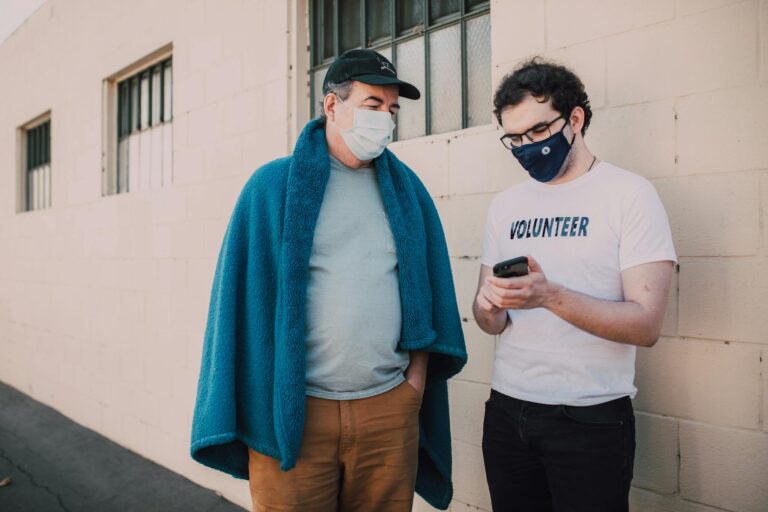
543	80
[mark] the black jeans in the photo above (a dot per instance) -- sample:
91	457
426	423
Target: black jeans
546	458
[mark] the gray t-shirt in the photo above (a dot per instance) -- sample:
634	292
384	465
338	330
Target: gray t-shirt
353	296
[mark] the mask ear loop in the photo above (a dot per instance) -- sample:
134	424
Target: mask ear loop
340	101
568	123
570	144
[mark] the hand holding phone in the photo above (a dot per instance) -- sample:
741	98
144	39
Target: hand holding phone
516	267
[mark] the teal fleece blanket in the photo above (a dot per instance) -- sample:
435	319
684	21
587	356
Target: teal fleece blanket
251	391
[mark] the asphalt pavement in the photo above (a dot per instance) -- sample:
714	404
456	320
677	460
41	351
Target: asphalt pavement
56	465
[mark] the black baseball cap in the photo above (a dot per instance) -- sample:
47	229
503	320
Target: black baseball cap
369	67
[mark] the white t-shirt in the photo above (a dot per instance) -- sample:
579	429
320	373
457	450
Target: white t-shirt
583	233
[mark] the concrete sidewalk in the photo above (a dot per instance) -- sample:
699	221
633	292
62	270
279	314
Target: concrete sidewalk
57	465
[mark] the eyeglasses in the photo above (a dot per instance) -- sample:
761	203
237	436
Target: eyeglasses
539	132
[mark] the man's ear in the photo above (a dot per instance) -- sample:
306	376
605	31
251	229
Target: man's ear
576	119
329	105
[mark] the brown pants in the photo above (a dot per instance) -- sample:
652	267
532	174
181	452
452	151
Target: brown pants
356	455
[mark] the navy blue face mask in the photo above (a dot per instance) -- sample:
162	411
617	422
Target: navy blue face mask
544	159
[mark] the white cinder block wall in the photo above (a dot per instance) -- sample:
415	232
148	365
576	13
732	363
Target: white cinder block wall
103	299
666	80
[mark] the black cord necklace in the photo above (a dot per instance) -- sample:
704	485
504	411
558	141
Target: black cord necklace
594	159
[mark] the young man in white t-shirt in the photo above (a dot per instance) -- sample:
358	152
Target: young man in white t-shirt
559	427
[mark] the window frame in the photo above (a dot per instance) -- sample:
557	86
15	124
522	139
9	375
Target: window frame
111	130
395	39
125	93
38	156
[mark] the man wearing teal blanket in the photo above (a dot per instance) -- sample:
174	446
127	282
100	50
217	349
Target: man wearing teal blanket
333	324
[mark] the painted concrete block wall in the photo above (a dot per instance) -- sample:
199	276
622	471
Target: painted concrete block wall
103	299
679	92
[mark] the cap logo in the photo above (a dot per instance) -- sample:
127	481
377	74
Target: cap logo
386	65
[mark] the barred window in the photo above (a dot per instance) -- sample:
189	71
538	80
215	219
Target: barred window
37	182
144	129
443	47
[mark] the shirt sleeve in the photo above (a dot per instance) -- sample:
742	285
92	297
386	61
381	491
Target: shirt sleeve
645	233
490	255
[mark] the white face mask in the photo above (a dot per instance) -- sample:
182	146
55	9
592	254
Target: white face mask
370	133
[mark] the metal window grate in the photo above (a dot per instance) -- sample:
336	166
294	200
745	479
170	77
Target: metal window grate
144	105
144	99
38	167
39	145
388	25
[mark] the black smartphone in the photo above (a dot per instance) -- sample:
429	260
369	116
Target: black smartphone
516	267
